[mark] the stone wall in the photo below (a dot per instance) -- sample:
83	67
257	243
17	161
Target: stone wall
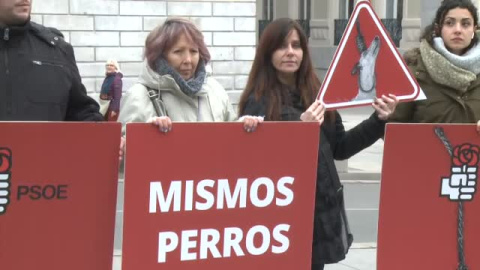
103	29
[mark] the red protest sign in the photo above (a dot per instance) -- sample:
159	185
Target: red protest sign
422	185
212	196
58	184
366	65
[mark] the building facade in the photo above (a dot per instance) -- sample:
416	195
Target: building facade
103	29
325	15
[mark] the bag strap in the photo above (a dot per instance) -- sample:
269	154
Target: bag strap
156	98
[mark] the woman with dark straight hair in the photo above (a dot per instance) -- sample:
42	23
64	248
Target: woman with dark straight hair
263	80
282	86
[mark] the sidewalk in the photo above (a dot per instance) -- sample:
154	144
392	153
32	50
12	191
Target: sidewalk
359	257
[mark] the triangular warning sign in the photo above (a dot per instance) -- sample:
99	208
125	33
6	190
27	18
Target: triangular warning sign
366	65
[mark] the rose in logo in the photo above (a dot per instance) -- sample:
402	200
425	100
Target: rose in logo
466	154
5	160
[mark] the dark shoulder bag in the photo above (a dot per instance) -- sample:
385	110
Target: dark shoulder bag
156	98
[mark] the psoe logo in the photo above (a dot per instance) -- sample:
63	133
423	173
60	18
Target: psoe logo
5	174
462	183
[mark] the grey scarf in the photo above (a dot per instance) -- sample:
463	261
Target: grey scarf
469	61
190	87
445	72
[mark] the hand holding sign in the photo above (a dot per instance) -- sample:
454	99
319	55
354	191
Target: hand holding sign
250	122
314	113
385	106
164	123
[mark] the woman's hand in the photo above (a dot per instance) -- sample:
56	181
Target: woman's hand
314	113
385	106
122	148
250	123
164	123
478	127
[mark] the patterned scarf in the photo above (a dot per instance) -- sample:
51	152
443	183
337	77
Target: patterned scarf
190	87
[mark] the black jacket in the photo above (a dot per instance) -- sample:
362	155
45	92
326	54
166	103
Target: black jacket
331	234
39	78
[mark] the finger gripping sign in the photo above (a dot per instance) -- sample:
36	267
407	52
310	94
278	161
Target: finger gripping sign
219	204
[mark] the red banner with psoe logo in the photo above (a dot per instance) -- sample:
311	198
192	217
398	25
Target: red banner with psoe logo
429	202
58	184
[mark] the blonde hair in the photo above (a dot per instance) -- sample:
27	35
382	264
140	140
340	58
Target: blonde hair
114	63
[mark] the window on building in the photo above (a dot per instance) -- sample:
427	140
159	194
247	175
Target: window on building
272	9
268	6
304	9
346	9
394	9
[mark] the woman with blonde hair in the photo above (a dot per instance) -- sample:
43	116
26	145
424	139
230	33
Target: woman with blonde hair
111	91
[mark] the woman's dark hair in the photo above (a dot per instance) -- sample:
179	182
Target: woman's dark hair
263	80
435	28
164	36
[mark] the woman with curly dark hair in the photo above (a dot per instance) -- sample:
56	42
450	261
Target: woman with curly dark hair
447	68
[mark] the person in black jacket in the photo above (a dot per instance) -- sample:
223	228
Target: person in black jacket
281	86
39	78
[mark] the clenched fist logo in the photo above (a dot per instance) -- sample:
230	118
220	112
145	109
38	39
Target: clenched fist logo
5	166
462	183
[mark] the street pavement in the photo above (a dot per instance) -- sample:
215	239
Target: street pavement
361	179
358	258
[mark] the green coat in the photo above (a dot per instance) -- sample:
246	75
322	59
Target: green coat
444	104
